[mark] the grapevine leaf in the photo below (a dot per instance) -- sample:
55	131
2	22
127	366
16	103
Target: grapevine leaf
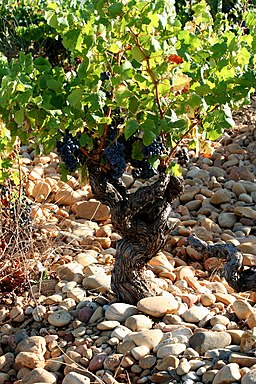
19	116
83	67
174	169
55	85
73	39
86	141
148	137
215	123
75	96
137	54
137	150
114	48
131	127
42	65
115	9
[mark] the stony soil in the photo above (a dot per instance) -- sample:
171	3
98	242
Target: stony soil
69	329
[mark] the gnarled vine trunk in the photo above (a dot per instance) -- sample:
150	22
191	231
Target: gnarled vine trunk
241	279
143	220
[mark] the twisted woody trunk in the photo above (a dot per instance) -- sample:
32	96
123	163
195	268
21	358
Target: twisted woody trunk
143	220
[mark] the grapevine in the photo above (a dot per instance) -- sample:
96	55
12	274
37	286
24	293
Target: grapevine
128	97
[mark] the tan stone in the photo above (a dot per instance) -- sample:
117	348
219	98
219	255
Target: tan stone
41	191
236	335
249	259
166	362
30	360
183	272
104	231
160	263
251	320
225	298
150	337
247	248
212	263
245	212
248	341
208	299
36	173
36	344
29	187
66	195
253	296
158	306
39	375
86	258
242	309
105	242
93	210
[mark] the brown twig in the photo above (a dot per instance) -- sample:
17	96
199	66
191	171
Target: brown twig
182	138
150	72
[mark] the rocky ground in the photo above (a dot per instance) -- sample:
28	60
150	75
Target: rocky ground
68	328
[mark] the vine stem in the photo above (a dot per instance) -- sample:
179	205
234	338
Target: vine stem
150	72
181	138
103	139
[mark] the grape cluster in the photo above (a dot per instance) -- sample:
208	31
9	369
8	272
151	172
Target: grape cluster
182	156
115	158
69	149
156	148
143	170
105	76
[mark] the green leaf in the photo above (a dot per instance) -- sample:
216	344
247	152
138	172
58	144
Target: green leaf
194	100
137	54
86	141
19	116
114	48
73	40
64	173
42	65
215	122
55	85
148	137
82	70
130	128
137	150
174	169
149	125
75	97
115	9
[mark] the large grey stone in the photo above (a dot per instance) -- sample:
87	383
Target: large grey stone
205	341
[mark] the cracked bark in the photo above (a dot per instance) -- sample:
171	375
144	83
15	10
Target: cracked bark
239	278
143	220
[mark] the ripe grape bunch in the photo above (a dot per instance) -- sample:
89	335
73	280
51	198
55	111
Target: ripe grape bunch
104	76
156	148
115	158
69	150
183	156
143	169
117	152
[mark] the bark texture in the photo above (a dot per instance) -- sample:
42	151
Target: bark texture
143	220
238	277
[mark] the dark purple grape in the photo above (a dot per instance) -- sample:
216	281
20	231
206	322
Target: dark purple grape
115	158
68	148
182	156
156	148
105	76
145	171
